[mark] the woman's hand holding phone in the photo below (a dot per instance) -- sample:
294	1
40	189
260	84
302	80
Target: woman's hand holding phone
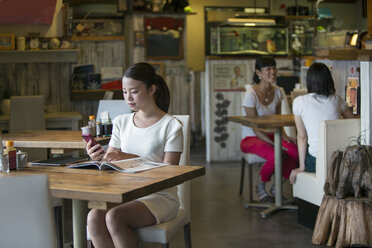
94	150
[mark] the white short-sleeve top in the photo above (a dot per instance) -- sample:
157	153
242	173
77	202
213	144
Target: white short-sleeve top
150	142
251	101
314	108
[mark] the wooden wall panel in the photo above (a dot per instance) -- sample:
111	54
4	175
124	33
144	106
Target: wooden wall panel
44	88
20	79
49	79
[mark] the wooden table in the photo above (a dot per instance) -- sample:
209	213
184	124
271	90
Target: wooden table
54	120
271	123
100	188
58	141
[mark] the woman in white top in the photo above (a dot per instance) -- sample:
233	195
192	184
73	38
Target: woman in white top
148	132
265	98
309	110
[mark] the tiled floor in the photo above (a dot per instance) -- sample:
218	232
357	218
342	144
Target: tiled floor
219	219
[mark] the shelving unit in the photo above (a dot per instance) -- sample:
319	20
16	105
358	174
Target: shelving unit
97	38
39	56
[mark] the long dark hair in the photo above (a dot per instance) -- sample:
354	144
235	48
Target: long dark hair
319	80
262	61
145	73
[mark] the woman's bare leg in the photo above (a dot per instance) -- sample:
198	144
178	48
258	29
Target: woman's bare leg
121	219
97	229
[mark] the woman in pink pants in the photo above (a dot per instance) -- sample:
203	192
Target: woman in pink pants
265	98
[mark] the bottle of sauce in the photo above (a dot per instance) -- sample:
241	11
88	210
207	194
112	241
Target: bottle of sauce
92	124
4	165
12	155
99	129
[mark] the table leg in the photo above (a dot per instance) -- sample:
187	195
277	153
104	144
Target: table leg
278	175
278	167
278	178
79	220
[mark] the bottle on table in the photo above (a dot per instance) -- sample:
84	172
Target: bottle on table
92	123
99	128
107	127
4	165
12	155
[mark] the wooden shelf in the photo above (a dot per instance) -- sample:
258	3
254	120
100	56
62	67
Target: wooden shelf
39	56
348	54
96	38
81	95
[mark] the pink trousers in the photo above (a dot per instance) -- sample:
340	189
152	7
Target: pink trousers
252	144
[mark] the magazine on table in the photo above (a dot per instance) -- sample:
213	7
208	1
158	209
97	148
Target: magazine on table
131	165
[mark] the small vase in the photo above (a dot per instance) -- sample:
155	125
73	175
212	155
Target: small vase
5	106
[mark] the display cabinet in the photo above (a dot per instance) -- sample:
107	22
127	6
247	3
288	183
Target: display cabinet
232	40
301	30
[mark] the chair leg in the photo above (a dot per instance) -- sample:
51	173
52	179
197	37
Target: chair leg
58	222
165	245
250	183
242	176
187	235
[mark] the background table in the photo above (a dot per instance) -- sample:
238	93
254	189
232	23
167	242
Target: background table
271	123
54	120
101	188
58	141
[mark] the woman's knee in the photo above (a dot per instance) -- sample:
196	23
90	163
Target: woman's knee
96	221
115	220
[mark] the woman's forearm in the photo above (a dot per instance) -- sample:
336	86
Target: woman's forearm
116	154
263	136
302	150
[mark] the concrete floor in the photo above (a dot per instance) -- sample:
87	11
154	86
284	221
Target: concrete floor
219	219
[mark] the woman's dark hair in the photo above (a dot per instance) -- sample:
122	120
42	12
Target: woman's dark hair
319	80
262	61
145	73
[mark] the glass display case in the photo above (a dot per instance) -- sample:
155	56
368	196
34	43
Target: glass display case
234	40
301	36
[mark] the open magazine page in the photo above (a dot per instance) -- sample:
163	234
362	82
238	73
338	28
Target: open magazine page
132	165
87	165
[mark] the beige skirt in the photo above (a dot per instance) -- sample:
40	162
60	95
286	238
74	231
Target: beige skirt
163	205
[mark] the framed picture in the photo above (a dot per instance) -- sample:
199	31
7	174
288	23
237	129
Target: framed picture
229	77
163	45
159	67
7	42
164	38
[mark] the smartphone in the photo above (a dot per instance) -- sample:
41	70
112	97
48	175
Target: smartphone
88	137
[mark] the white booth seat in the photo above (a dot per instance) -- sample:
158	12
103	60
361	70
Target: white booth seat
333	135
285	110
